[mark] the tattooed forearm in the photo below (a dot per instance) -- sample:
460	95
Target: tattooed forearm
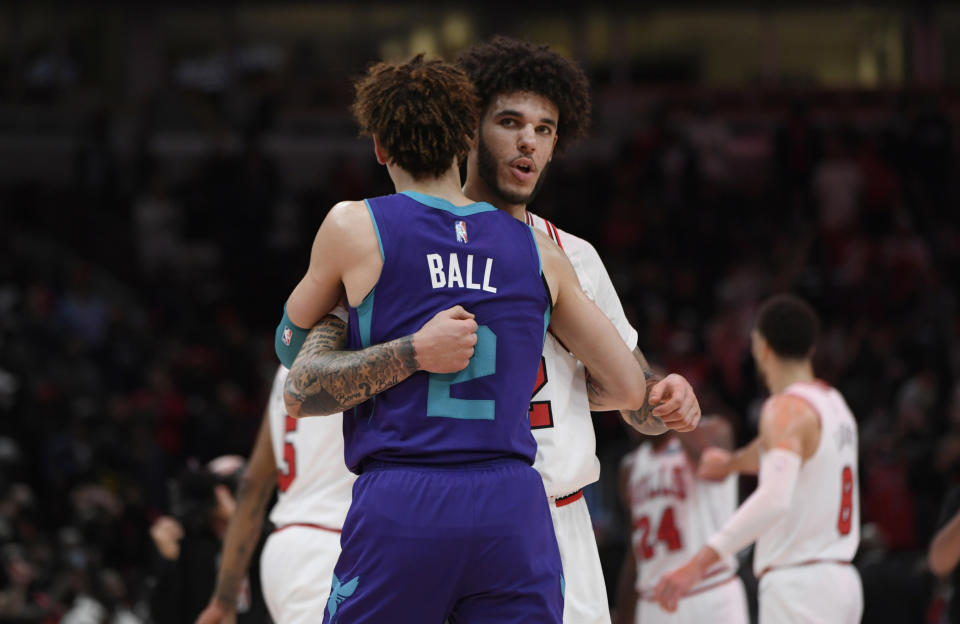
643	419
325	379
243	535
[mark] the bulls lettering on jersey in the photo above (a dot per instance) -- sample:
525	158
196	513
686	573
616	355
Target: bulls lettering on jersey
823	522
673	513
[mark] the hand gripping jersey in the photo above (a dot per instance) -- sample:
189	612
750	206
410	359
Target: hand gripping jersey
437	255
313	483
560	411
673	514
823	522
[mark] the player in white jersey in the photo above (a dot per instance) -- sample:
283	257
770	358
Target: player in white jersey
672	513
805	513
303	460
533	103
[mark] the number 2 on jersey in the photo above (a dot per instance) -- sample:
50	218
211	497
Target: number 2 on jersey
667	533
285	477
845	518
482	364
541	412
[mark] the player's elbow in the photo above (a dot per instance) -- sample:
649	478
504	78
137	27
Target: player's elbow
294	405
635	395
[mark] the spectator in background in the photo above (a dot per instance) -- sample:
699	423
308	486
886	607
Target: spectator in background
188	545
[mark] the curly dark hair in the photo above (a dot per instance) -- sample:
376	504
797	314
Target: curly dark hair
505	65
789	325
424	113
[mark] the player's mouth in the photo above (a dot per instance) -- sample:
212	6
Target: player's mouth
523	169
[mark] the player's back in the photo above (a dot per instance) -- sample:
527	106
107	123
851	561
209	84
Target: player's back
823	522
437	255
673	513
313	484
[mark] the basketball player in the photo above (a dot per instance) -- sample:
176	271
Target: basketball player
673	512
535	102
448	519
805	513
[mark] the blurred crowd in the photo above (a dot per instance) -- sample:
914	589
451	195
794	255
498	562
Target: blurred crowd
138	302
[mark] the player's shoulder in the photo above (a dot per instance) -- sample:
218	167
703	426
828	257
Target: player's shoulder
572	244
786	409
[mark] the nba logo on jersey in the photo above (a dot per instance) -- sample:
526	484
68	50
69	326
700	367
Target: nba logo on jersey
461	229
287	336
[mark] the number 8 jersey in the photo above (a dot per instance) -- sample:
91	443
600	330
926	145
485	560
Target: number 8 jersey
435	256
823	522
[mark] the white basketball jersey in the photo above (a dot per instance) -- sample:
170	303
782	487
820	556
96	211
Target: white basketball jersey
313	484
823	521
560	410
673	513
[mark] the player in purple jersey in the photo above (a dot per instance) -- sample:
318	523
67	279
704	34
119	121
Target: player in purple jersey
449	520
534	103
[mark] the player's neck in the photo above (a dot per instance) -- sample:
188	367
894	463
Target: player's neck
445	186
479	191
786	373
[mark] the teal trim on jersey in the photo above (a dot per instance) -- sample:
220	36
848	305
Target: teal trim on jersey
546	313
365	318
536	248
546	322
563	586
442	204
483	363
376	228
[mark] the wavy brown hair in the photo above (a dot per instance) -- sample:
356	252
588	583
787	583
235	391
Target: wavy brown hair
424	112
505	65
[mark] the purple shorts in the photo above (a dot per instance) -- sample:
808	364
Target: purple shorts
465	544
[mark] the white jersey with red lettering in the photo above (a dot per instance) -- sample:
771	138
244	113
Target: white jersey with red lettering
566	445
314	493
823	521
673	513
560	410
314	486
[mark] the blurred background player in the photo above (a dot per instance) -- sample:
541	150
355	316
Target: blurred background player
303	461
672	513
805	513
448	517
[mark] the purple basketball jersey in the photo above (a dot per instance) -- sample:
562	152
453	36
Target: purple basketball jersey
437	255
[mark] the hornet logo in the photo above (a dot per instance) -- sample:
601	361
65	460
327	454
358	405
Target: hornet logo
461	229
339	593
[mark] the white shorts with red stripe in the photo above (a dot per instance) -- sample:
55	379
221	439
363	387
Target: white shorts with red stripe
723	602
585	594
811	593
296	571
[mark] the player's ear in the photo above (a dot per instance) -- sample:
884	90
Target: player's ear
379	151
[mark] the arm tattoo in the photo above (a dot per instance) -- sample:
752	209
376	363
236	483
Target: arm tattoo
325	379
643	419
254	497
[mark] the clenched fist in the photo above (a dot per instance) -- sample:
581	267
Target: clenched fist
445	343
